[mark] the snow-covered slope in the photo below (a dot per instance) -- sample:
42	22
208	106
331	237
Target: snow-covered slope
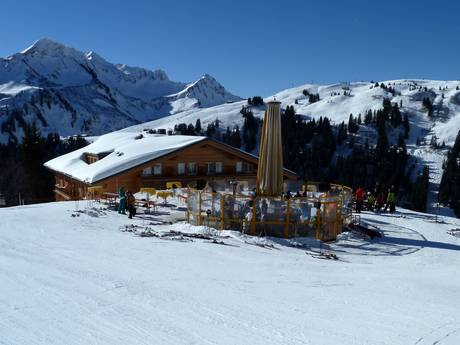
73	278
363	96
71	92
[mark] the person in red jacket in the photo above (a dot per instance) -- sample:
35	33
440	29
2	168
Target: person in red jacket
360	194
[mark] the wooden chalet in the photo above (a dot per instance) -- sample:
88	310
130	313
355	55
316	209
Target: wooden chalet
159	161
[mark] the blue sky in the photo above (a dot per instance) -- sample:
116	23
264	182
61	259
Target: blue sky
252	47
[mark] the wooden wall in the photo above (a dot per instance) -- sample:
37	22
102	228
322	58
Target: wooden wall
201	154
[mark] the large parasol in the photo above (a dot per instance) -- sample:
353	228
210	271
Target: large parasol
270	169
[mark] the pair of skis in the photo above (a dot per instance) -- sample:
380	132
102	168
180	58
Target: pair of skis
322	255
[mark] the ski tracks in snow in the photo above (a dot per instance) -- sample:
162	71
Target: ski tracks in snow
445	334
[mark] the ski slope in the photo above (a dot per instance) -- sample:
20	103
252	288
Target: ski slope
72	277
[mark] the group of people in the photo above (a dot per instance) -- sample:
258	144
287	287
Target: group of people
298	194
375	200
127	203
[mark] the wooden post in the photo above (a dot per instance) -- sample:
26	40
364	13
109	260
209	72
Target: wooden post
288	219
199	208
187	211
253	220
339	217
222	209
318	220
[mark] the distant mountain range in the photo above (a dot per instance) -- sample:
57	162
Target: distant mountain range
71	92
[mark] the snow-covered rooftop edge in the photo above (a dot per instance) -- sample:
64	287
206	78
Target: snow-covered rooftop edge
128	149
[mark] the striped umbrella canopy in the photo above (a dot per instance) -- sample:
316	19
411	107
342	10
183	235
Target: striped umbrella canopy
270	169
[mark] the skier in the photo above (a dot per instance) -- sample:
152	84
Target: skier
122	204
380	201
370	202
360	193
131	201
391	200
288	195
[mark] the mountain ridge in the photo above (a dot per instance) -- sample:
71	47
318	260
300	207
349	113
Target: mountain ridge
81	92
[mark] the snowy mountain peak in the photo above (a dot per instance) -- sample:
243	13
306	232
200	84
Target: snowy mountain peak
206	91
207	77
48	47
67	91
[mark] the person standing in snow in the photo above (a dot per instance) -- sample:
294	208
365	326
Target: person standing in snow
122	204
288	195
391	201
360	193
370	202
131	202
380	201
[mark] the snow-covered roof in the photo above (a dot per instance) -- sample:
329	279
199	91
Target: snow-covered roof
126	149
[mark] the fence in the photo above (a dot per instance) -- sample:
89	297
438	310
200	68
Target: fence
318	215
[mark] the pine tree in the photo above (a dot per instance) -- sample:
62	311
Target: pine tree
250	129
341	133
428	105
352	124
210	130
402	142
198	126
190	129
449	188
235	137
312	98
368	117
257	100
419	194
382	139
406	126
38	181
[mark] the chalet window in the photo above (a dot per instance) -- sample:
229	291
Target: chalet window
248	167
218	167
157	169
191	169
239	167
180	168
210	168
147	171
